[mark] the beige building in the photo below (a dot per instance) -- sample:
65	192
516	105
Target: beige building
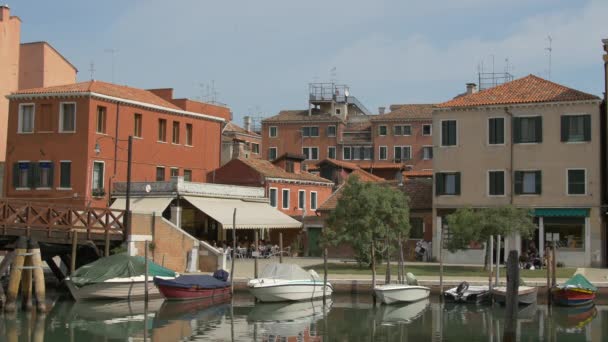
531	143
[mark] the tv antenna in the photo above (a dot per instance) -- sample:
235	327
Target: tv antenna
92	70
550	49
333	74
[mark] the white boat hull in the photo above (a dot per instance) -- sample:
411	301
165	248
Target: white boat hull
131	290
395	293
473	294
277	291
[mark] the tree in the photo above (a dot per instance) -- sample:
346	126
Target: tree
468	225
367	211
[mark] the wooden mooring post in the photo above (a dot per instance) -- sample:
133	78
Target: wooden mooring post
74	252
280	248
233	252
549	264
255	255
15	276
38	275
373	271
511	301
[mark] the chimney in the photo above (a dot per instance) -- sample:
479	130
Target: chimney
247	123
471	88
381	110
5	13
239	149
164	93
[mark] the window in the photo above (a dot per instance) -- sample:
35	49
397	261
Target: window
416	228
43	175
310	131
65	177
311	153
162	130
337	111
67	117
576	128
331	131
189	134
570	231
273	131
448	133
272	194
101	119
447	183
26	118
496	183
496	131
188	175
346	153
528	182
301	199
22	174
174	172
137	128
383	153
577	182
289	166
272	153
255	148
427	129
427	152
527	129
313	200
331	152
285	198
98	176
382	130
402	153
402	130
160	174
175	139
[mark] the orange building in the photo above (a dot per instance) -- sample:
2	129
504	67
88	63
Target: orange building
69	143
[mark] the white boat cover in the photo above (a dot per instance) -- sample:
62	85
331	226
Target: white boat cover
143	205
287	272
249	214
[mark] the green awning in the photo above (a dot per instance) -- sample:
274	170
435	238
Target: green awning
561	212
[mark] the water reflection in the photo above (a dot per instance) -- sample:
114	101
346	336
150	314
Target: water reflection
347	318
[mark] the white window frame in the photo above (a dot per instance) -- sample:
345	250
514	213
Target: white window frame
301	206
568	181
316	200
335	131
269	197
576	142
448	172
283	198
276	131
528	116
309	148
504	131
40	174
171	171
103	179
382	135
528	170
335	152
28	162
350	152
504	182
156	173
402	147
276	152
61	117
441	134
20	123
61	162
423	146
380	153
430	129
310	131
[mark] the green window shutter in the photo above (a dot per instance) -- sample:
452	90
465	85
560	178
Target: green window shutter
33	177
457	187
452	138
538	126
500	183
439	183
565	127
52	175
587	127
519	182
538	181
492	131
500	131
16	175
444	133
516	130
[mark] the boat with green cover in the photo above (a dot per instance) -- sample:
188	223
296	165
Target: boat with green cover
118	276
576	291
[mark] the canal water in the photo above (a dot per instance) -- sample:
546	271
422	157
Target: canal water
345	318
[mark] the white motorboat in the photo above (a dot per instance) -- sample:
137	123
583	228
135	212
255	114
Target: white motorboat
287	282
464	293
394	293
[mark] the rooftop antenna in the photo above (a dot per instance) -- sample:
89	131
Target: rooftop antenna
333	74
92	70
113	52
550	49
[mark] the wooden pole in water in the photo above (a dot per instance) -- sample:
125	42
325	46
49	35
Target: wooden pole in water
255	256
38	274
15	276
549	264
233	253
281	248
74	249
373	271
491	247
441	264
553	266
324	274
511	300
106	245
498	242
26	282
146	271
387	278
401	261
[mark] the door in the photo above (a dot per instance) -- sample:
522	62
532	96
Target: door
314	240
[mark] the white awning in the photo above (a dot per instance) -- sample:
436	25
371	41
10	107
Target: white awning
144	205
249	215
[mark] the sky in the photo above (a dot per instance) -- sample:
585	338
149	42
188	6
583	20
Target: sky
260	56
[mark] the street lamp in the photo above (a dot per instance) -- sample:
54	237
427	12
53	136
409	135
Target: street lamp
97	150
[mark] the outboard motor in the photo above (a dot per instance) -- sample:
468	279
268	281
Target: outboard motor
462	288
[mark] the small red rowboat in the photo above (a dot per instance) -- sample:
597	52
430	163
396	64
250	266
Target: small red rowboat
186	287
574	292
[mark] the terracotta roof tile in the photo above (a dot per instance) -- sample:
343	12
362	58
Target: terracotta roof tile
380	165
423	173
104	88
302	115
268	169
232	127
407	111
529	89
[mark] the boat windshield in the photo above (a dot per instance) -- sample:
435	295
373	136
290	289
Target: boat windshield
287	272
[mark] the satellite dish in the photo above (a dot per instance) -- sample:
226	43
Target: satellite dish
346	92
148	188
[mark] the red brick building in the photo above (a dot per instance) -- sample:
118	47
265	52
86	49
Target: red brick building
69	143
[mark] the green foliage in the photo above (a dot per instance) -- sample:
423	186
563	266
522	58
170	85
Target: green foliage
468	225
367	211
